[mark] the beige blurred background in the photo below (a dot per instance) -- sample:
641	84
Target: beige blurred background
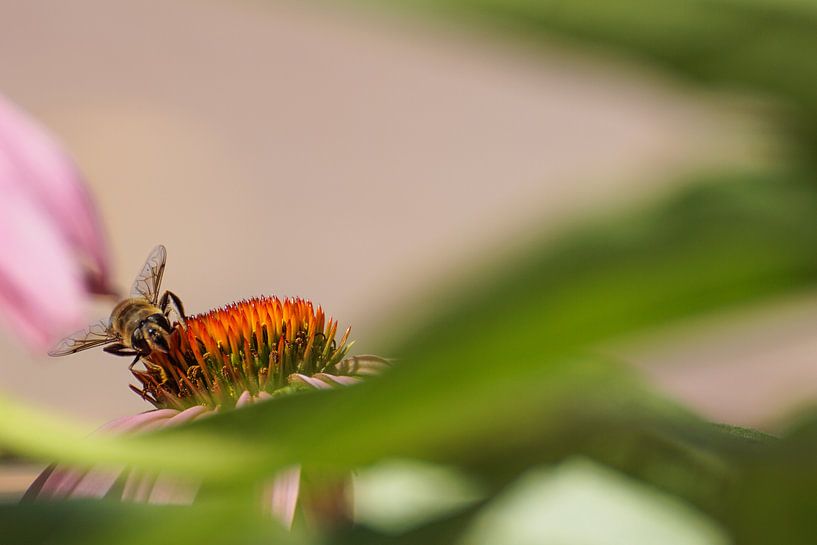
289	149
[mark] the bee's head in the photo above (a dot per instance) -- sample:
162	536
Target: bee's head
152	334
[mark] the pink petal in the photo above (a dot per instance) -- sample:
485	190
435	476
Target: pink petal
281	495
96	483
336	380
364	365
322	381
61	482
51	179
57	485
51	246
135	422
137	487
187	415
162	489
172	491
41	285
308	381
244	399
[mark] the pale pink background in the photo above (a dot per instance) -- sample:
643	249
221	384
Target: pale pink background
281	149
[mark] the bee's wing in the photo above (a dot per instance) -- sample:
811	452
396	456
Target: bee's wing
150	277
96	334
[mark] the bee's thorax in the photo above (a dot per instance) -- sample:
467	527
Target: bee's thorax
130	320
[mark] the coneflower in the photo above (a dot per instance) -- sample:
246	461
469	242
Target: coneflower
223	359
255	347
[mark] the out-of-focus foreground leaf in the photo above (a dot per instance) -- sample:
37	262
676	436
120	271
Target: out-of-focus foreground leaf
773	500
106	522
494	381
554	505
496	376
498	379
716	244
490	363
48	437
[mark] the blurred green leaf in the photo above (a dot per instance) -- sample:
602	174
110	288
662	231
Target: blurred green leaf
499	378
396	495
441	531
582	503
49	437
773	499
489	364
575	502
506	359
86	522
496	376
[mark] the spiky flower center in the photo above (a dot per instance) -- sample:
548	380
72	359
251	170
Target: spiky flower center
251	346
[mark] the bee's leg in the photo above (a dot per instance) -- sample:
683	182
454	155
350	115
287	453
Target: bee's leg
119	349
170	301
134	362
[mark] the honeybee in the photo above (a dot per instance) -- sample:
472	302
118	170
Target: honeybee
139	324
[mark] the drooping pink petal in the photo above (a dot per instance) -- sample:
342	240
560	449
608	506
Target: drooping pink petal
52	251
96	483
137	487
172	491
52	180
61	482
135	422
57	485
281	495
41	284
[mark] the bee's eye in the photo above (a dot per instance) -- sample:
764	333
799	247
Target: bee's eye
161	321
139	343
161	343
